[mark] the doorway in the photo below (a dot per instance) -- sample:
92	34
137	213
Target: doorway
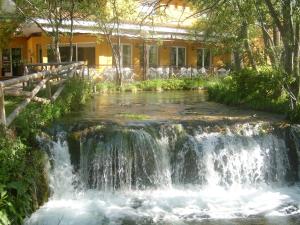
17	66
87	54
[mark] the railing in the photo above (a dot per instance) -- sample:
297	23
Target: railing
108	72
61	73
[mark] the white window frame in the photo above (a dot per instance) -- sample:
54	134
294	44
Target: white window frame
148	53
203	56
76	45
177	47
131	49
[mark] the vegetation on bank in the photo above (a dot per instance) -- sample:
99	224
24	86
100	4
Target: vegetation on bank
262	89
23	182
157	85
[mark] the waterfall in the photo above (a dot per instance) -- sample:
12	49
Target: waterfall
123	159
171	174
62	180
135	158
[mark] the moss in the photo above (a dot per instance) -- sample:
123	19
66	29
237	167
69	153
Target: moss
133	116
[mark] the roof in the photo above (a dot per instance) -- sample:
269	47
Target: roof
126	29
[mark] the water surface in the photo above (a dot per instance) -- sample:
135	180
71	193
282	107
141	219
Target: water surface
170	158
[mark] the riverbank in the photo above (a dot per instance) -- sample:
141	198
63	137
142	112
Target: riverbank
23	178
248	89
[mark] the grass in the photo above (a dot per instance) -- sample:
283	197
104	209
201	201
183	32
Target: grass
11	103
157	85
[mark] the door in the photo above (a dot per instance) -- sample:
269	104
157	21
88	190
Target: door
17	67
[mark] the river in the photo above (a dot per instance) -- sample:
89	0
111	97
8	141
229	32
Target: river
170	158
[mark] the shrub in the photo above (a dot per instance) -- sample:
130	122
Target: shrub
156	85
74	95
258	90
21	178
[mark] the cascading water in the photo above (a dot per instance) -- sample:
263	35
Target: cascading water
172	174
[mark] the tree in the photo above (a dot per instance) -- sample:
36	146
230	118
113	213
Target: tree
230	23
286	17
279	24
9	22
51	14
109	16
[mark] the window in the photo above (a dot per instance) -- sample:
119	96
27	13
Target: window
125	54
86	54
152	56
203	58
64	54
177	57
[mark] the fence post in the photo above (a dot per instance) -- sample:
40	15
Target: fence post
48	89
2	106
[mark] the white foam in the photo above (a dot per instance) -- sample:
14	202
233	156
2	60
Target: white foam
169	205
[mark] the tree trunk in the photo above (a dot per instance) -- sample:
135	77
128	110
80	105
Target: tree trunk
237	56
276	35
71	29
145	58
287	34
245	36
120	66
269	48
296	60
56	46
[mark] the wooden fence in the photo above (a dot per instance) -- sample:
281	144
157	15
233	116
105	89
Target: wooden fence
43	79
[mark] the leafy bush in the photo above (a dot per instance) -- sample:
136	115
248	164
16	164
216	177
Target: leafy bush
258	90
156	85
74	95
21	173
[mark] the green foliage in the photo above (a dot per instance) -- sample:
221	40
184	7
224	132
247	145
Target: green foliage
106	87
157	85
20	175
258	90
74	95
23	183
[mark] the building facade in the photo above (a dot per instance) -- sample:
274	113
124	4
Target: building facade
169	46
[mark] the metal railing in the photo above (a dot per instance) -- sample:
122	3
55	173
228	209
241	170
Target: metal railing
133	72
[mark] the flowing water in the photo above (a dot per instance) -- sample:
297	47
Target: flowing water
167	172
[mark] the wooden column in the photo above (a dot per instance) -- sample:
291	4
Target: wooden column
2	106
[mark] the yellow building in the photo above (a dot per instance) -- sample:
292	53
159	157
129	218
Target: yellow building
170	47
